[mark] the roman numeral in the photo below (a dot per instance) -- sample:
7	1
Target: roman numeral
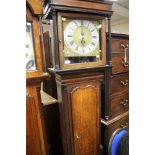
75	23
93	43
69	35
76	48
94	36
71	28
83	50
81	22
71	43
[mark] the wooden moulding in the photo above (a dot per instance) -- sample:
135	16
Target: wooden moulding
36	78
97	5
80	70
117	36
36	6
85	6
65	75
107	123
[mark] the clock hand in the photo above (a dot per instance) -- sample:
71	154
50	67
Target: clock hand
83	43
82	36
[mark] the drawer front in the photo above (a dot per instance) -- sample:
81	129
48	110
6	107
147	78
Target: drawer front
119	64
122	123
119	83
107	131
117	44
119	104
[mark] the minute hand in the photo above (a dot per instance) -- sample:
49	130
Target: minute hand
82	38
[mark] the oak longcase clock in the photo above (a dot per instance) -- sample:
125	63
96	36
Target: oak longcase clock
81	65
36	143
81	40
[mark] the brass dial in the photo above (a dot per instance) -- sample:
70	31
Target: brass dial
81	37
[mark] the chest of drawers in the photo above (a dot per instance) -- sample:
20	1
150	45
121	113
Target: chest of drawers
118	106
119	83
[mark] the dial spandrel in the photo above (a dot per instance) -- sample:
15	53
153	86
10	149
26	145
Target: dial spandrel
81	40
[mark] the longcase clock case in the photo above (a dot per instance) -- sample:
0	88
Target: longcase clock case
80	85
35	129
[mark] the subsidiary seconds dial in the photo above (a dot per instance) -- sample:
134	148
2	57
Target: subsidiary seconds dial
81	36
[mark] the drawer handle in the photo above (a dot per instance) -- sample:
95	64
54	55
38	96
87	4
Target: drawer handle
124	103
125	64
122	45
124	125
124	83
125	47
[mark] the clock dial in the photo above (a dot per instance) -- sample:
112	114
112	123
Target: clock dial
81	37
30	53
81	40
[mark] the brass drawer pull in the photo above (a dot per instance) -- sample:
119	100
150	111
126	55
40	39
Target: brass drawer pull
125	64
124	83
124	125
122	45
124	103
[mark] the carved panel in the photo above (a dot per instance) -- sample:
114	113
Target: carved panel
85	116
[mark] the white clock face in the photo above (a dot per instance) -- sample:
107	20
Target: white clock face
30	53
81	36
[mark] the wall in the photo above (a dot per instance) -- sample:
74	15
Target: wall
120	28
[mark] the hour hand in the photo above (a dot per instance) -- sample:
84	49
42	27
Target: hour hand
82	41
